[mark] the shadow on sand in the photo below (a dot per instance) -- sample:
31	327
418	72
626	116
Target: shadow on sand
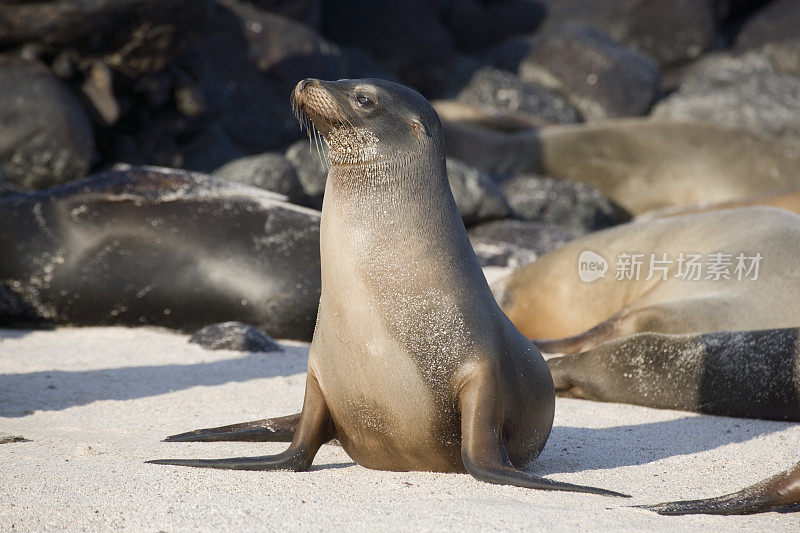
52	390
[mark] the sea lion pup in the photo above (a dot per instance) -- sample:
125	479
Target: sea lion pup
412	366
642	163
733	269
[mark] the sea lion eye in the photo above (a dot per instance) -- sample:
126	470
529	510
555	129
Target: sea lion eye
364	100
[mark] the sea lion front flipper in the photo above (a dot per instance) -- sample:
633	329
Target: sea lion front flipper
778	493
314	429
280	429
482	449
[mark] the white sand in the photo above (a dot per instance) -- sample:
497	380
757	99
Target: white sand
94	403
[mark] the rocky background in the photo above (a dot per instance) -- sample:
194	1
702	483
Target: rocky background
203	85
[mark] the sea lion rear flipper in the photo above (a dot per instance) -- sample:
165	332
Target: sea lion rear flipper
482	450
778	493
314	428
280	429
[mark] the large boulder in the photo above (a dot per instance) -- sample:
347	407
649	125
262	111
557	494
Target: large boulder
504	90
407	36
515	243
46	137
308	161
774	32
477	197
671	32
270	171
744	92
135	37
600	77
577	207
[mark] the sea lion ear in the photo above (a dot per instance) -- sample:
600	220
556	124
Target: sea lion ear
419	128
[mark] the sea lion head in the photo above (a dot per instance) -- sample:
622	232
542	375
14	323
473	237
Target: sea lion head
368	120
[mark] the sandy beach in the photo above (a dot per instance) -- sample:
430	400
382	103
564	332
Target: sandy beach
93	403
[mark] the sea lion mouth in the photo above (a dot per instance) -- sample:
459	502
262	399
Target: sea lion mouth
316	108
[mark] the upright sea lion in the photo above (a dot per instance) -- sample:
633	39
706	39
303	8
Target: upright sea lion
642	164
413	366
155	246
732	269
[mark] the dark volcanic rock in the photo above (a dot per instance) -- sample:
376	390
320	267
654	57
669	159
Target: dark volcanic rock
670	32
250	107
475	24
576	207
477	197
133	36
234	336
45	136
514	243
208	149
310	167
404	35
270	171
504	90
287	50
743	92
775	32
309	12
601	78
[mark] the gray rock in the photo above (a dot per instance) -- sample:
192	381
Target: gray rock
670	32
477	197
504	90
515	243
601	78
270	171
310	167
775	32
744	92
234	336
577	207
45	135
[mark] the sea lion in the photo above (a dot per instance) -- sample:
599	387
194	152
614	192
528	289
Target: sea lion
413	366
752	374
642	164
658	342
788	200
154	246
695	275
